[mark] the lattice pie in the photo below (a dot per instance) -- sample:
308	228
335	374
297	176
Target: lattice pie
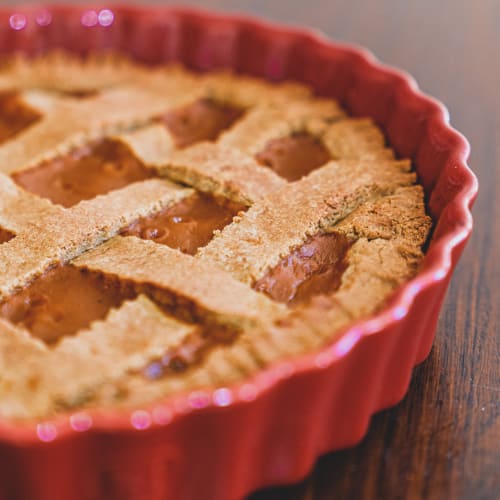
162	231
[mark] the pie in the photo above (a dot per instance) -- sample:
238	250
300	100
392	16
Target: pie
163	231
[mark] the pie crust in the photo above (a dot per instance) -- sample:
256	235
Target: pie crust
129	144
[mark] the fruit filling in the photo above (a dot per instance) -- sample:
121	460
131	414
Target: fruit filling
82	174
62	301
189	353
314	268
295	156
188	225
80	94
5	236
203	120
14	116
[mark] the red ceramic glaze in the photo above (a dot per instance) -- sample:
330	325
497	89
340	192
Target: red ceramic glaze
221	444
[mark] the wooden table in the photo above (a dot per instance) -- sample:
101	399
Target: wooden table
443	440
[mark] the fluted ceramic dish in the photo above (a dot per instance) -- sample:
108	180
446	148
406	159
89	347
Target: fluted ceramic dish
224	443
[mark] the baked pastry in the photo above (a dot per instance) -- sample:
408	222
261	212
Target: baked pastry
162	230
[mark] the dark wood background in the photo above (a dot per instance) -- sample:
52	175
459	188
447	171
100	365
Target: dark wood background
443	440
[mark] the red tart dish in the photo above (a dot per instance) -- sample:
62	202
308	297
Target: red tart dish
222	441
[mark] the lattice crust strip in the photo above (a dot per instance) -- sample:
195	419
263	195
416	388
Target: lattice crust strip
152	144
355	139
215	297
364	194
222	171
249	92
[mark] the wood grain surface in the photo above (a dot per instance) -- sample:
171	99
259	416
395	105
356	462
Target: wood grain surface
443	440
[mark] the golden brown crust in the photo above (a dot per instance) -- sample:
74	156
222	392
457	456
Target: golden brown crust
215	296
21	361
152	144
356	138
400	215
222	171
247	92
